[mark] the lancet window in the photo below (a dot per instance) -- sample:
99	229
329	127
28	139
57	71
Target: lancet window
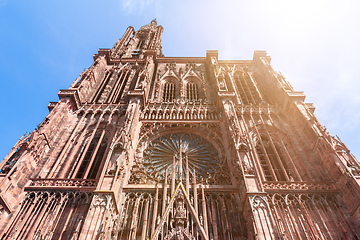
61	207
192	92
247	89
91	156
119	86
134	80
273	160
169	89
312	216
112	87
137	81
103	84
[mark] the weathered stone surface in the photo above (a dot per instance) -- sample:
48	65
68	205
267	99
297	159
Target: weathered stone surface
143	146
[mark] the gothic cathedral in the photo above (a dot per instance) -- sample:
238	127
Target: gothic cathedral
143	146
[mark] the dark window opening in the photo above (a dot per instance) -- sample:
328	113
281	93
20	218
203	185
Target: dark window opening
96	161
118	89
192	92
169	92
277	161
246	89
100	91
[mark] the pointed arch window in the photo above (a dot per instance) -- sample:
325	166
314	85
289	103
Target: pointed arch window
91	156
247	89
192	92
119	86
112	87
102	87
272	160
169	92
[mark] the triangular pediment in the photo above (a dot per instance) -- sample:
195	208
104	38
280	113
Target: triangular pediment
237	69
181	207
126	67
170	73
192	73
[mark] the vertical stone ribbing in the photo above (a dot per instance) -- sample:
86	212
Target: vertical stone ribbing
143	146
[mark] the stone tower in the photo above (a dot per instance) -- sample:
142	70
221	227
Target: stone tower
143	146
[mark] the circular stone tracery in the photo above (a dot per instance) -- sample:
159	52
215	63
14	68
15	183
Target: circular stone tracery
161	154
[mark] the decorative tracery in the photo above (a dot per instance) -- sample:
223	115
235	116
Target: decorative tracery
273	160
192	92
183	154
308	216
169	92
247	89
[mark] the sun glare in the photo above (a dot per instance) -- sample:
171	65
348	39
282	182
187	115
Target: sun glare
298	16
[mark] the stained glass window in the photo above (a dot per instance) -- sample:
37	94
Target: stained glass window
183	152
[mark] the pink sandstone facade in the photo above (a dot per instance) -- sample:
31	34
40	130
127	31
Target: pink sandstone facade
143	146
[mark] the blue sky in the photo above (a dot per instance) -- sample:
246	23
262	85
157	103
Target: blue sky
44	46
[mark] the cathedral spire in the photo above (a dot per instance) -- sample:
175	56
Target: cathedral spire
135	43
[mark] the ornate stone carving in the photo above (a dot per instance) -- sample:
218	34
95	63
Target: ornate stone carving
183	111
61	183
299	186
161	154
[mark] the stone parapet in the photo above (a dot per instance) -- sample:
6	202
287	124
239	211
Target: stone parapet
299	186
53	183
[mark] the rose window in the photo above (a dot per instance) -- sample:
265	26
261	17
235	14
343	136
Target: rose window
180	154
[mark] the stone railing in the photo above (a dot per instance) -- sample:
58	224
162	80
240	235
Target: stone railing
55	183
180	111
299	186
260	108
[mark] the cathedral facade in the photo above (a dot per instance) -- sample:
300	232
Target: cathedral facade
143	146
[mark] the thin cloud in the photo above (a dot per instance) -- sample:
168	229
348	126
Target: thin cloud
137	7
